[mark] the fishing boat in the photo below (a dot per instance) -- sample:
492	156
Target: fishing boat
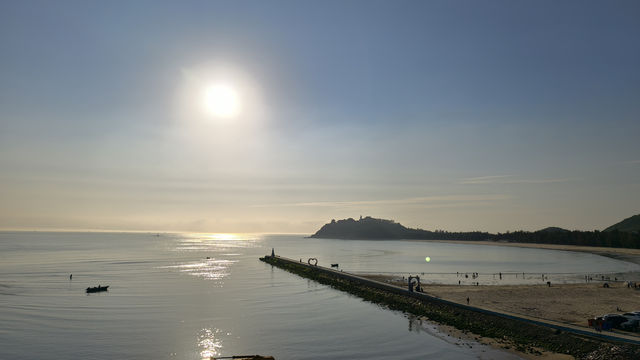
97	289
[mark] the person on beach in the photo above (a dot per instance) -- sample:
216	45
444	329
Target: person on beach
70	276
467	300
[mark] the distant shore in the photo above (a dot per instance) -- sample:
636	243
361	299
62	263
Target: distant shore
623	254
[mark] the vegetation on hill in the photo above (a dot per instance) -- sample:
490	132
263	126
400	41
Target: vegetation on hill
553	229
631	224
374	229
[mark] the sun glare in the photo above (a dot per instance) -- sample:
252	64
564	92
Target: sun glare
222	101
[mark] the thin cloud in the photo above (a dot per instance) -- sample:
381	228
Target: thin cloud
509	179
423	200
485	179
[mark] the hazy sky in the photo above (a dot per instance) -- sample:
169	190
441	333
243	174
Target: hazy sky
456	115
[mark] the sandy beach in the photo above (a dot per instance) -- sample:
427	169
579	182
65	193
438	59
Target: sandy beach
570	303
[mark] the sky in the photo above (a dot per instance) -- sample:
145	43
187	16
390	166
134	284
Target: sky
455	115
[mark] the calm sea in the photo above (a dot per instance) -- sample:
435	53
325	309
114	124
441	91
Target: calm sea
191	296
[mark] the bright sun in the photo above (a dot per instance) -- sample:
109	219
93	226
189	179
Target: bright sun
221	100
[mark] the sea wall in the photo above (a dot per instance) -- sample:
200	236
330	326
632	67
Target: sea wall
524	336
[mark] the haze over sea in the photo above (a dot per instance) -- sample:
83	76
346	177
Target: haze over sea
168	300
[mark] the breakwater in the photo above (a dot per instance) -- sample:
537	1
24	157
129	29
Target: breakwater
524	335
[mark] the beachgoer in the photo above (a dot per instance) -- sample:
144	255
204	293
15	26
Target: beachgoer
467	300
458	282
70	276
549	283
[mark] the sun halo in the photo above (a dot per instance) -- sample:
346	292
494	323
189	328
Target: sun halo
222	101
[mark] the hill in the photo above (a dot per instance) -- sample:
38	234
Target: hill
369	228
365	228
631	224
377	229
553	229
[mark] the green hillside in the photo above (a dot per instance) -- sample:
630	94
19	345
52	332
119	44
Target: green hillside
631	224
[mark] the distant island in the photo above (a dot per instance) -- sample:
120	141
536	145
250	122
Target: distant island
625	234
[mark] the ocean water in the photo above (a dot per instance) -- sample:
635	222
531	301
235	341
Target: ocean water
192	296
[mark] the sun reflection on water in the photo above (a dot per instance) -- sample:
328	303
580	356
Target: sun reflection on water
209	343
210	269
219	237
210	254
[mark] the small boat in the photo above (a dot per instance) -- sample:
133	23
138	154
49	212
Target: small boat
97	289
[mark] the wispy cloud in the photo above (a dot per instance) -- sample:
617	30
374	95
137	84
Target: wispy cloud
509	179
423	200
486	179
632	162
